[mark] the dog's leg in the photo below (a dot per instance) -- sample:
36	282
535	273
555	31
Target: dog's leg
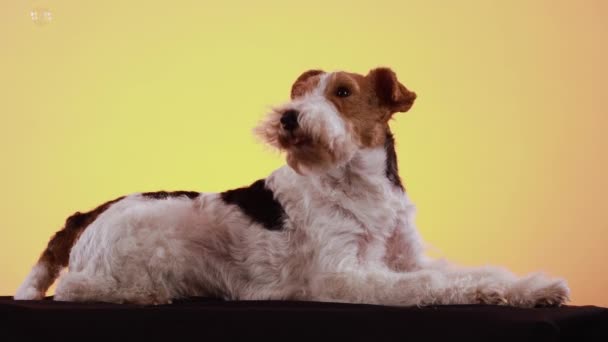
538	290
439	287
495	285
81	287
384	288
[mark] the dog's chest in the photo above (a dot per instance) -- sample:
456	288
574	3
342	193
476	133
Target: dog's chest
355	227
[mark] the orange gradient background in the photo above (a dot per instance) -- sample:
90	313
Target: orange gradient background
504	151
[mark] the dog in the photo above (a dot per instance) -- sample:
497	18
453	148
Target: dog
333	225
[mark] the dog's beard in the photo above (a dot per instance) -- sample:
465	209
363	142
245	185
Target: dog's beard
307	151
310	157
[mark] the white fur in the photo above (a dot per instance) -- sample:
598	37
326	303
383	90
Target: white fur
31	288
333	246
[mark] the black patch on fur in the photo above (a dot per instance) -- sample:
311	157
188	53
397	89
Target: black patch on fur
164	194
392	171
257	202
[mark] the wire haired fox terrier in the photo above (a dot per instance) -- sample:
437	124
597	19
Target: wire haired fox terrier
335	224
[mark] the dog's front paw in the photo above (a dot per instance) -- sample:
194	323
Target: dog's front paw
556	293
538	290
490	296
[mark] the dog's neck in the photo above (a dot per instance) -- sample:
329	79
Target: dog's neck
371	173
363	189
368	180
370	168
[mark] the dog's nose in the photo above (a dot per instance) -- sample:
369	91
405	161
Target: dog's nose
289	120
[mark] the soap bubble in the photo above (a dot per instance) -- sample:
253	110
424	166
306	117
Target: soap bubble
41	16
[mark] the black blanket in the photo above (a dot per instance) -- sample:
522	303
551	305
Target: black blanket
215	320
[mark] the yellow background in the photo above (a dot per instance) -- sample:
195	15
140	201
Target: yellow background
503	152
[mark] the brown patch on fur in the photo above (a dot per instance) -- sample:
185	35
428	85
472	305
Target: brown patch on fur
310	156
295	138
372	101
305	83
362	243
57	253
170	194
304	152
397	256
392	95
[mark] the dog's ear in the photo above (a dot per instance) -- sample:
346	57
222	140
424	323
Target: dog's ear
297	87
391	94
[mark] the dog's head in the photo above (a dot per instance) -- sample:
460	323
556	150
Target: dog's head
332	115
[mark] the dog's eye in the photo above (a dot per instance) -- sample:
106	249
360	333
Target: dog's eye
343	92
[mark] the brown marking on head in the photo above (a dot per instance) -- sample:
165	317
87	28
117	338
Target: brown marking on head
269	128
305	153
393	96
368	102
364	103
305	83
57	253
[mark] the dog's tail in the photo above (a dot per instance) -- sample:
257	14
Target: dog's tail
57	254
